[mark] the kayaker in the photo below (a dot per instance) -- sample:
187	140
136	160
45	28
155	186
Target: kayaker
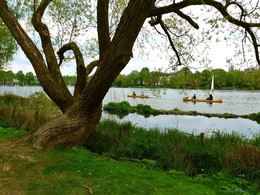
142	94
134	94
210	97
194	96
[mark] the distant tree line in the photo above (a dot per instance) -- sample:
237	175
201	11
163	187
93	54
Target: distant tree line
182	79
21	79
186	79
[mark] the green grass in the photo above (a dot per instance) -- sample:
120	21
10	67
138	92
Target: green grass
25	170
10	132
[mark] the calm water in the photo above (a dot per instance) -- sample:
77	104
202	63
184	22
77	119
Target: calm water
236	102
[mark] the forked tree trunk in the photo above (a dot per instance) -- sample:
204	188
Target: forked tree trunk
66	130
82	111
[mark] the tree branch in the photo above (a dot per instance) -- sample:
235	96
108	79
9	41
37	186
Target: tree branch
44	33
188	18
158	20
81	69
163	26
50	85
103	27
175	7
91	66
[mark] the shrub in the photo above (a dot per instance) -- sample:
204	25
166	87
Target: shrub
146	110
120	107
255	117
203	160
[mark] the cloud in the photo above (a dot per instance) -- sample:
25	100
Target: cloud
21	63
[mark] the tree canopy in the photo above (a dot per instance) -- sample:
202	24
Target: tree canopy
8	46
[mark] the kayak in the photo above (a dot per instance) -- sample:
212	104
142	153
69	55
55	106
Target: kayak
186	99
137	96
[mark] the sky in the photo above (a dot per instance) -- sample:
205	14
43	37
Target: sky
217	54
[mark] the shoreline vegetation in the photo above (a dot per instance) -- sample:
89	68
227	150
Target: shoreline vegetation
123	108
222	163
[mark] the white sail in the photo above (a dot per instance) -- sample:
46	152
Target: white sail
212	83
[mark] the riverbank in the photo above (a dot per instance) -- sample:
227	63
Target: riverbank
25	170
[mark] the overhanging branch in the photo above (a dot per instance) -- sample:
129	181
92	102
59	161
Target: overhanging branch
176	7
158	20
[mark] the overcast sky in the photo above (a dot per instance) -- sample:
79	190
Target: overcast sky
217	55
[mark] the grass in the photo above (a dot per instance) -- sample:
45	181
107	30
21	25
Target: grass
26	113
77	170
25	170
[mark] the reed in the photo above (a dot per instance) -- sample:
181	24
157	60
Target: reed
172	149
26	113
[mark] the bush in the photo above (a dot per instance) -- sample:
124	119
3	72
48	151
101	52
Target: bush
123	106
146	110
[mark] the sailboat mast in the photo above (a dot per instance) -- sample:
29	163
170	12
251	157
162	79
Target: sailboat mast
212	84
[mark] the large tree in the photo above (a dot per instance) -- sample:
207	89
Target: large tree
82	110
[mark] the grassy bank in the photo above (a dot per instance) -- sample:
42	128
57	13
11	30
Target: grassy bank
131	160
24	170
230	153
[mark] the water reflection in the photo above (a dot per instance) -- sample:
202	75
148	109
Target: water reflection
191	124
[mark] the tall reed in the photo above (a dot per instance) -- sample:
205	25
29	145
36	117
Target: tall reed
172	149
27	113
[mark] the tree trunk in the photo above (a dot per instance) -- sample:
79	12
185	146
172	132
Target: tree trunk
66	130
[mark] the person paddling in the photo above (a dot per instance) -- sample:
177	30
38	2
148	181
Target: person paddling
210	97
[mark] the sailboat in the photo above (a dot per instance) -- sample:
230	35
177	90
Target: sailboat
219	100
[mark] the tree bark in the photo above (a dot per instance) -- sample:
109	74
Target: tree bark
67	130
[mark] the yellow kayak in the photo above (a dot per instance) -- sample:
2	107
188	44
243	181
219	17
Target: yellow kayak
137	96
186	99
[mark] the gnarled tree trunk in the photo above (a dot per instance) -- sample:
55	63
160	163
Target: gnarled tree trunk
81	111
65	130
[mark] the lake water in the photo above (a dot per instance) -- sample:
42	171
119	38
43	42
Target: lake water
236	102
